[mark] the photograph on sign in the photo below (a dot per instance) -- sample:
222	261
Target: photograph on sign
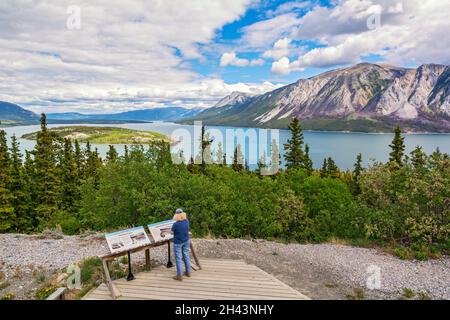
161	231
125	240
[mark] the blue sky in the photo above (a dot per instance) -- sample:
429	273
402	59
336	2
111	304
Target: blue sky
94	56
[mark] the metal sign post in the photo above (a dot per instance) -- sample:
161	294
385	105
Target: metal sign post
169	262
130	274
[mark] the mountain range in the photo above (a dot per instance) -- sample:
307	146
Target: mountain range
14	114
365	97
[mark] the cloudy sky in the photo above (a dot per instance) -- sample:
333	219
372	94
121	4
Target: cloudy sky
109	56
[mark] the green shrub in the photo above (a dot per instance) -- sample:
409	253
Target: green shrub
44	292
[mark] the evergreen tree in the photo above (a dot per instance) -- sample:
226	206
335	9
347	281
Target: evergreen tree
308	162
126	153
324	169
353	182
418	159
93	162
219	153
47	182
224	159
262	163
69	191
294	155
275	157
332	168
29	178
204	156
358	167
21	196
398	147
79	160
7	216
238	159
111	155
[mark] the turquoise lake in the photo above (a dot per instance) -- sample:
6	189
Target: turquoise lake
341	146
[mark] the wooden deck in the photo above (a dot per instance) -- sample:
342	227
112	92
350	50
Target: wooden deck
218	279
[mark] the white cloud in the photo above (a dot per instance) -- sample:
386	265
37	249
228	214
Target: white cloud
284	66
230	59
126	55
280	49
413	31
262	33
257	62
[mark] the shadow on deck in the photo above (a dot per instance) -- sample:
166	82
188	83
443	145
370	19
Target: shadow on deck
219	279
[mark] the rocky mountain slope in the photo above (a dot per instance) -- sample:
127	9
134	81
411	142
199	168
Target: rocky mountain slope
364	97
12	113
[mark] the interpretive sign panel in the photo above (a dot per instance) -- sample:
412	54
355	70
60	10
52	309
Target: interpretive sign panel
128	239
161	231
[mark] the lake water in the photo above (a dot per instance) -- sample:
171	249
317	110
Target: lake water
341	146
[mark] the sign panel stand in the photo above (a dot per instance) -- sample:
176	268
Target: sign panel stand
169	262
130	276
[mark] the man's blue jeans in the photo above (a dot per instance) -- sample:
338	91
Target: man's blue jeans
181	251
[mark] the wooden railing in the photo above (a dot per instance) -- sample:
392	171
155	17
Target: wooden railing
106	259
59	294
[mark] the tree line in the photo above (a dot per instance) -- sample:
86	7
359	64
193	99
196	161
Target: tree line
404	202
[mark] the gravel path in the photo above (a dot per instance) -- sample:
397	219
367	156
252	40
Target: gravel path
320	271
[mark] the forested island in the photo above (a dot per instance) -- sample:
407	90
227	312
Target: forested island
402	206
102	135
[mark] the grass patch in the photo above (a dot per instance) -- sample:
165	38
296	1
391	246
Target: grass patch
358	294
44	292
40	276
408	294
4	285
8	296
89	267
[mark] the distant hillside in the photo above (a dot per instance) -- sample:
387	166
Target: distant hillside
13	114
155	114
364	97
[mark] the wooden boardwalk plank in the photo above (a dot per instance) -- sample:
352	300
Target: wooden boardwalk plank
219	279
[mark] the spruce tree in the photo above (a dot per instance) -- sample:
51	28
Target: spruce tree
398	147
205	150
324	169
419	159
126	154
219	154
275	157
111	155
79	160
29	177
262	163
332	168
238	159
7	217
358	167
69	191
294	155
21	192
308	162
46	174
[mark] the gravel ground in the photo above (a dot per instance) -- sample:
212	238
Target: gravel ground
320	271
